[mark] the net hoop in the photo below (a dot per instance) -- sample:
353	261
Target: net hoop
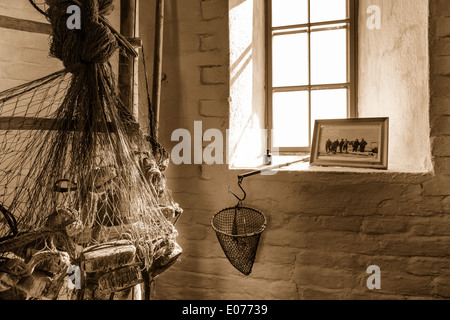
229	209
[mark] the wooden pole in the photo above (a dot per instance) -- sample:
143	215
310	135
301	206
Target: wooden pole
128	17
157	68
128	75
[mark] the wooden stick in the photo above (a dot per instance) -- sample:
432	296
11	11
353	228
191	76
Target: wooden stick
157	68
120	38
28	123
274	167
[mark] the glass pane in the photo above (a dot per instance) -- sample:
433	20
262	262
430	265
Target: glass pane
290	60
328	104
289	12
329	56
328	10
290	119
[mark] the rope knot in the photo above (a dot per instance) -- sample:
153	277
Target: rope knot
92	43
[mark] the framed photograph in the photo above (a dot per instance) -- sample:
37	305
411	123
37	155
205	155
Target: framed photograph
361	143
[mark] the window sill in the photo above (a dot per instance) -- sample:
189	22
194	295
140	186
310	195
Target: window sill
306	167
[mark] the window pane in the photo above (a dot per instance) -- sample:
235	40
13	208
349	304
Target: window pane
290	60
328	104
329	56
289	12
328	10
290	119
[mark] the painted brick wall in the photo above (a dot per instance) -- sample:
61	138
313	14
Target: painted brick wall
324	228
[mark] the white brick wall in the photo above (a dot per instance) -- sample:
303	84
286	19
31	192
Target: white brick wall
324	228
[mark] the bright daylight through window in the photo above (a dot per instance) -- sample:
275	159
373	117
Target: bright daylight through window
311	67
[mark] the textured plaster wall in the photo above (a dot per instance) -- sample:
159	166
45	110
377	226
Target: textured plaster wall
247	83
394	78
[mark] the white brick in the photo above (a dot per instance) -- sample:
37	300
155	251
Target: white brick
213	108
214	74
212	9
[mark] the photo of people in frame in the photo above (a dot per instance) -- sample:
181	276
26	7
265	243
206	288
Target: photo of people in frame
349	142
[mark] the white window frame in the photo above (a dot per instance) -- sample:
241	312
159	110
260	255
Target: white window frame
352	67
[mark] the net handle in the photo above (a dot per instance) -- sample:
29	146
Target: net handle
268	169
240	180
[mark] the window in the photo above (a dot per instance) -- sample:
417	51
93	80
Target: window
311	63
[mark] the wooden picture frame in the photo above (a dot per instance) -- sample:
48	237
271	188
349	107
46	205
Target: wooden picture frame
372	153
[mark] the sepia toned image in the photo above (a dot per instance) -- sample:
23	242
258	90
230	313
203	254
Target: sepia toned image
232	151
359	142
356	143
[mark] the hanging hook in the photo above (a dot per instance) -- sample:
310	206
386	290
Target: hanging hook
240	179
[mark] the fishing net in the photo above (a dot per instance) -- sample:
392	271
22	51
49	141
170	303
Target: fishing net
238	230
76	171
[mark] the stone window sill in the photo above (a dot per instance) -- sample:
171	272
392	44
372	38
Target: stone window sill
306	167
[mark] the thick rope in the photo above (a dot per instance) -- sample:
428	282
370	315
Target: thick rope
93	43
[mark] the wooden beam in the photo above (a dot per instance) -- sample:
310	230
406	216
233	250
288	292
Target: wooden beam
28	123
25	123
25	25
126	78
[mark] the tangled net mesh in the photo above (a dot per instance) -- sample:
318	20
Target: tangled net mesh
75	169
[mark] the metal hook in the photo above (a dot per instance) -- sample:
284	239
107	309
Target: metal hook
240	179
